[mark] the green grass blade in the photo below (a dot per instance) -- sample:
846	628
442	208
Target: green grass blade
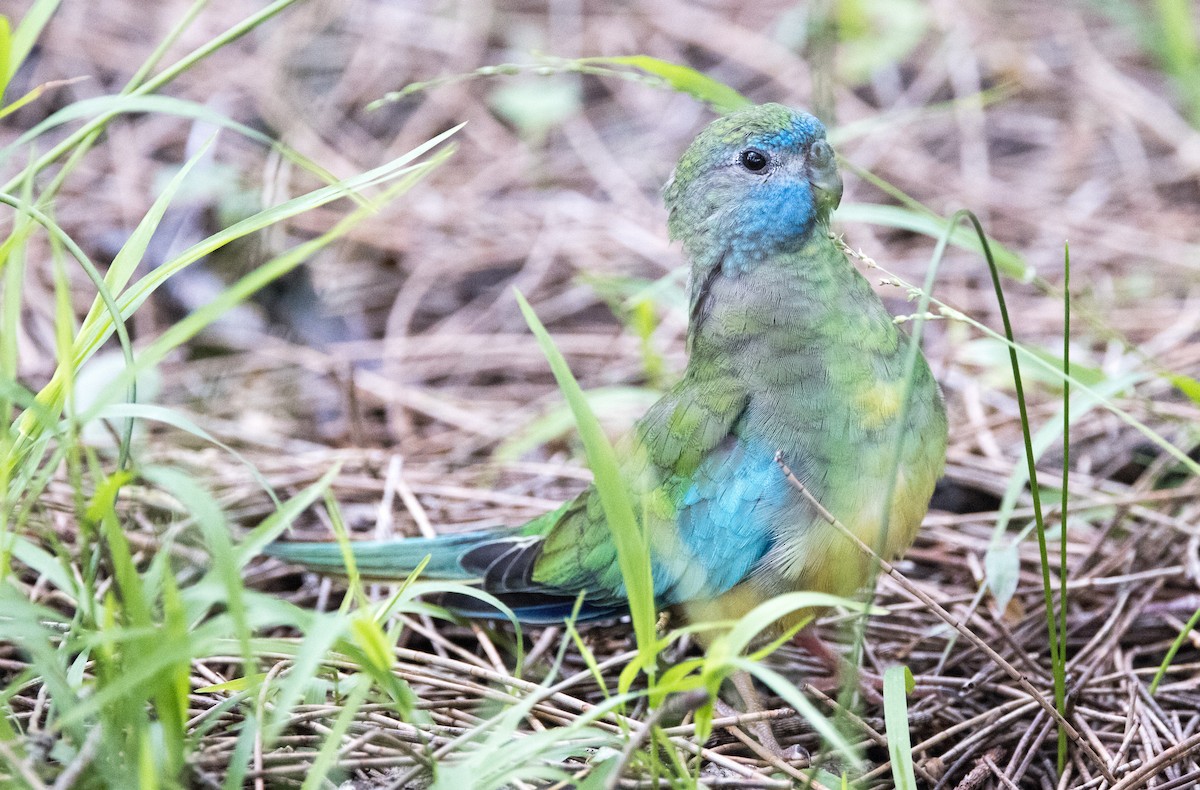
28	31
29	425
102	511
628	535
1056	658
272	526
1187	385
208	516
130	685
215	44
104	108
1179	45
172	417
911	356
1171	651
1002	552
44	564
163	46
6	70
199	319
99	110
316	775
398	168
320	635
774	609
683	79
1060	669
643	68
792	696
558	421
897	683
77	143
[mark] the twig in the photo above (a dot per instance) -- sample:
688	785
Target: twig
1163	759
974	779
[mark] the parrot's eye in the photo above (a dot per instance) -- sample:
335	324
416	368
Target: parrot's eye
753	160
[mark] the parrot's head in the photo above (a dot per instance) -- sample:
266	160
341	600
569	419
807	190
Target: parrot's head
755	183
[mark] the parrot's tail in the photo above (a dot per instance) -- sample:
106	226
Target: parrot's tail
498	561
393	560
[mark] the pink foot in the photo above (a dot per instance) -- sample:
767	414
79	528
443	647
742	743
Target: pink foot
870	685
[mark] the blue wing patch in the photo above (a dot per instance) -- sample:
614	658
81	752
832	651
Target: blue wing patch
723	524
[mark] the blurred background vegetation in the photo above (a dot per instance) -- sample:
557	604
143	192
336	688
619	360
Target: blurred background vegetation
1052	124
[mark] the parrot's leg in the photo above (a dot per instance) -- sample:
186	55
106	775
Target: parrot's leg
869	684
743	682
808	641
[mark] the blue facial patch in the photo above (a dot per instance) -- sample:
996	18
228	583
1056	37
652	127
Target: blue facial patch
776	215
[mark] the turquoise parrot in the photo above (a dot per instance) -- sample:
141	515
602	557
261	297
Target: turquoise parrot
791	352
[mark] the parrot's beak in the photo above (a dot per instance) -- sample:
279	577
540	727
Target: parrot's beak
824	177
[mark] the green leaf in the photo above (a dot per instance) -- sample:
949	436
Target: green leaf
213	525
898	682
1187	385
132	252
237	684
27	33
31	96
372	640
684	79
176	419
282	518
629	538
1002	564
1171	651
5	55
1178	45
38	559
874	34
536	105
774	609
326	758
322	632
992	354
403	175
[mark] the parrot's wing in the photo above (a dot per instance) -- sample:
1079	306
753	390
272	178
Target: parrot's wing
698	486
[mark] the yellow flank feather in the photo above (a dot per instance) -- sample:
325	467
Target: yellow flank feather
879	403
